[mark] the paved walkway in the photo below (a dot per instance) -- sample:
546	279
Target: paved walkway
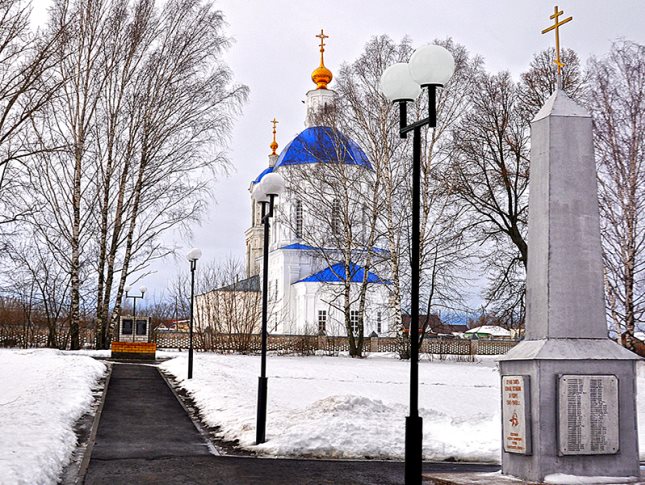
146	437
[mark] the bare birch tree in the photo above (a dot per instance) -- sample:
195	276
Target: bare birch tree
490	169
185	106
141	120
26	61
373	121
445	250
339	227
617	102
49	283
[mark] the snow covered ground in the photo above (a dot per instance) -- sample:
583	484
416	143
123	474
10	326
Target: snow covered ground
42	394
337	407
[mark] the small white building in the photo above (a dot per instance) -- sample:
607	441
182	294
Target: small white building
304	280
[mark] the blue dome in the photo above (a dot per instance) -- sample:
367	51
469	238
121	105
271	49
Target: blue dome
322	144
337	274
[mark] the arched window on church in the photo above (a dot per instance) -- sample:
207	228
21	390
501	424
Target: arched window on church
335	216
298	219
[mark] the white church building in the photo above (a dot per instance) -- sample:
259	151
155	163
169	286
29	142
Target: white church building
304	281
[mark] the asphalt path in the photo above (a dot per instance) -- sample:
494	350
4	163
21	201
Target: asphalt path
146	437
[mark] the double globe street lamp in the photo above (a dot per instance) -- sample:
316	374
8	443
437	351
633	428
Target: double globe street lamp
192	256
265	192
430	67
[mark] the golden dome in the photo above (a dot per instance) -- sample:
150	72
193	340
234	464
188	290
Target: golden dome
321	75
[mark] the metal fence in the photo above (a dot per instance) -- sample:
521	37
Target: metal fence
312	343
286	344
11	337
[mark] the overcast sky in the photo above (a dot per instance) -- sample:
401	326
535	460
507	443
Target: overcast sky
274	52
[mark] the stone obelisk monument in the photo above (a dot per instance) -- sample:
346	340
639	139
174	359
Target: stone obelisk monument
568	391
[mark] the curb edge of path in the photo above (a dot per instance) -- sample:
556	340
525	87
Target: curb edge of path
87	455
204	434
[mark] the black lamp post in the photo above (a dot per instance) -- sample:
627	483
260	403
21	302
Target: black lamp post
192	256
271	186
430	66
134	298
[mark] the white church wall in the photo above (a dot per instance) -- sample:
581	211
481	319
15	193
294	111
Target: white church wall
294	306
314	297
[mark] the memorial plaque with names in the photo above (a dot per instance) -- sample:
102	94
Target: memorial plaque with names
588	414
516	418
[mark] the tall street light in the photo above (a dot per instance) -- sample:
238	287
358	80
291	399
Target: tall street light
430	67
134	298
192	256
265	192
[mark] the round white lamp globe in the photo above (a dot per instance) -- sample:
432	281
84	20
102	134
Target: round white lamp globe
194	254
143	289
273	184
127	288
432	64
258	194
398	85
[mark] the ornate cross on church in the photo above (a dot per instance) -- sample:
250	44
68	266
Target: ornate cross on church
322	38
556	26
274	143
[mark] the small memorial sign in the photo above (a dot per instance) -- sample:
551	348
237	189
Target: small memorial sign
516	417
588	414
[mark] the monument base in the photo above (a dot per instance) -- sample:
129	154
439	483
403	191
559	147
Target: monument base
134	350
581	412
497	478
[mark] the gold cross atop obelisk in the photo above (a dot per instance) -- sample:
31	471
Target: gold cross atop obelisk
274	143
556	26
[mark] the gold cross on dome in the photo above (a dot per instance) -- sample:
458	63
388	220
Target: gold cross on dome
322	38
556	26
274	143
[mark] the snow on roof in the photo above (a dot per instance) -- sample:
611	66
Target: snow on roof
490	330
337	274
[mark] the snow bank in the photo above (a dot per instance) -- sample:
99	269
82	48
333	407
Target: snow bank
562	479
336	407
42	394
104	354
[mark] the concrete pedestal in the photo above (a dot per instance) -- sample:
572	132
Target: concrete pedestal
544	368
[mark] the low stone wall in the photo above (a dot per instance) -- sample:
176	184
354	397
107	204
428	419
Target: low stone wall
134	350
311	343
